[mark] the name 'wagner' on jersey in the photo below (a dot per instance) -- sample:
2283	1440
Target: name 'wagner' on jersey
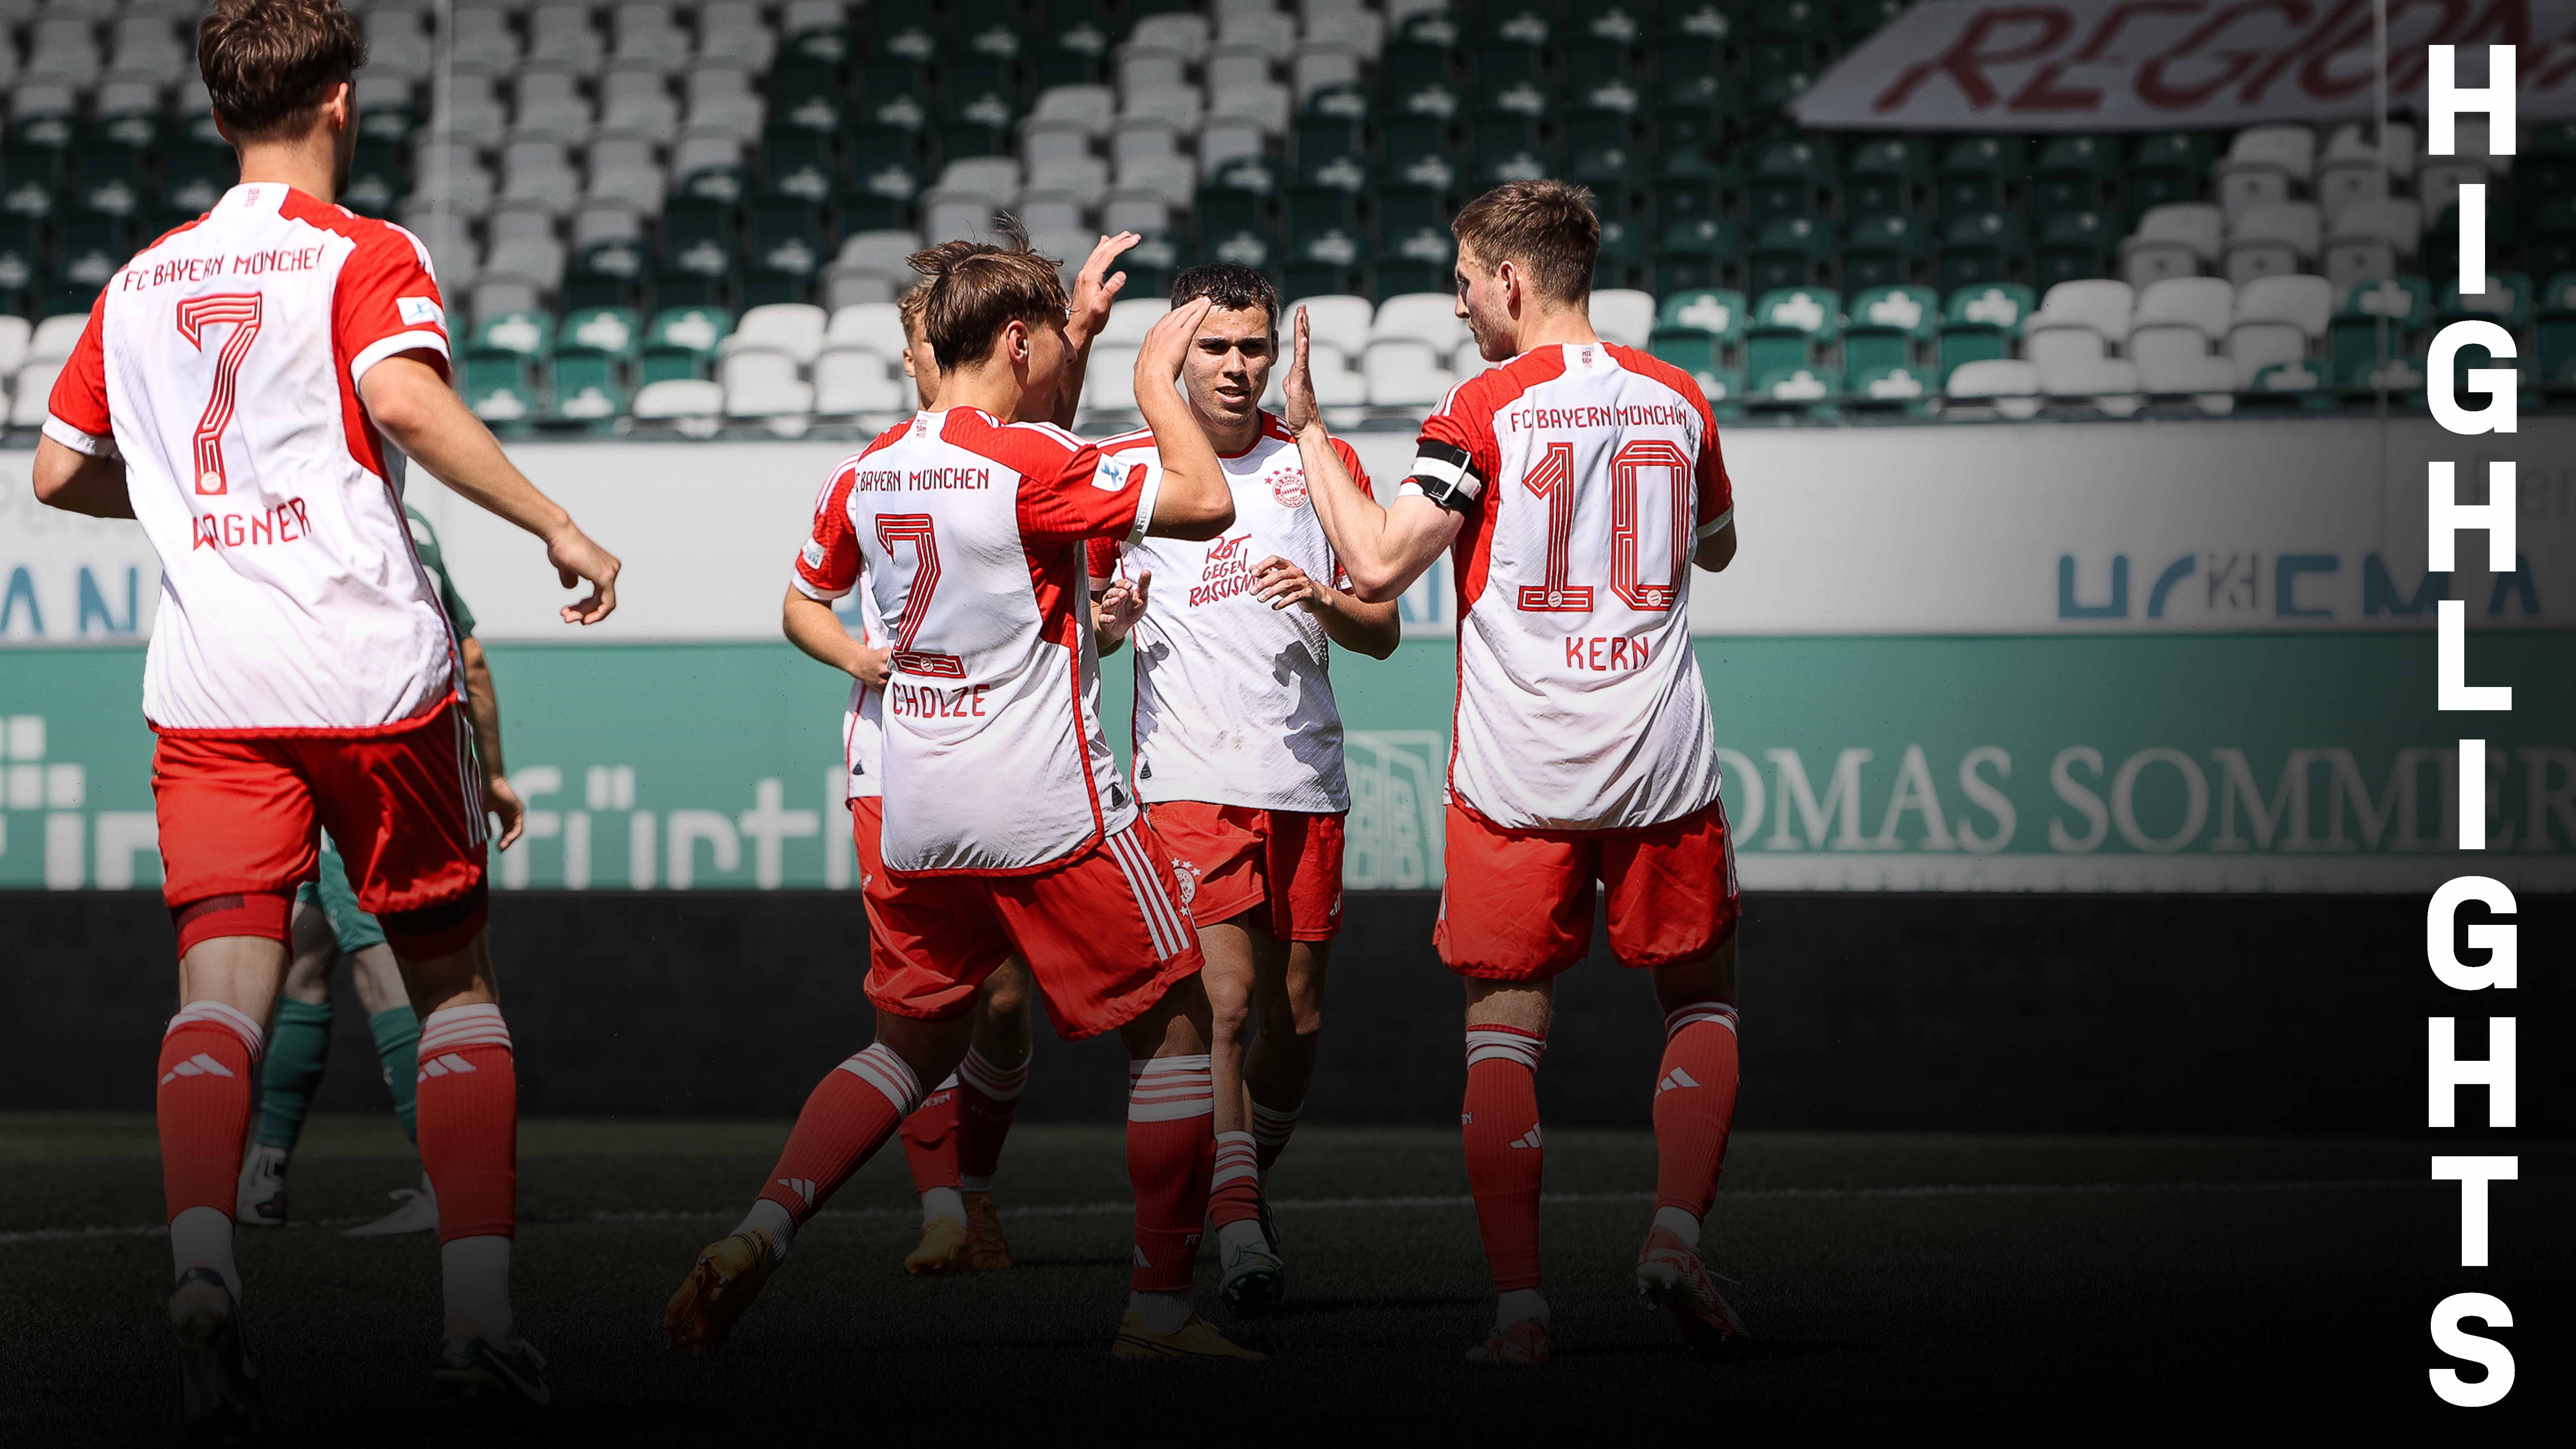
969	534
1588	474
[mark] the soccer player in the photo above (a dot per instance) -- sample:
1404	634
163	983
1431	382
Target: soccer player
1007	823
1575	484
249	387
328	928
1239	746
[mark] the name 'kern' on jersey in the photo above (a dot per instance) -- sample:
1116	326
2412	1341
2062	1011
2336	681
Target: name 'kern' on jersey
1234	704
969	534
222	364
1588	474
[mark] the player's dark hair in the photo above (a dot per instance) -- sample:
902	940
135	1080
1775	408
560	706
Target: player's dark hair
979	288
916	297
1234	288
269	63
1546	228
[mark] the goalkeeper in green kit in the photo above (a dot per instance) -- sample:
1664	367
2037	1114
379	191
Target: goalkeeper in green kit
330	929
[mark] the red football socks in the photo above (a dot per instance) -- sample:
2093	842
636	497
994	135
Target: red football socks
208	1057
988	1097
1694	1105
849	1115
1170	1102
467	1111
930	1139
1504	1156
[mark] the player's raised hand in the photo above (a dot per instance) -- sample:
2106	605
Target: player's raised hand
1279	583
1121	604
1167	345
1300	387
502	799
1095	287
577	560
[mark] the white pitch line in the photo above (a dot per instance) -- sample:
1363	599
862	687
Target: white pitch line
1366	1204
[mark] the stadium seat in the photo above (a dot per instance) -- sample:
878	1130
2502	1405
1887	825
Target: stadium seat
2378	323
2101	304
2253	346
2205	304
1714	312
2176	239
1886	328
2371	239
2073	245
2109	384
1808	389
2304	302
1887	175
791	329
2174	361
1791	251
1624	317
1885	250
1980	323
2287	387
682	343
2272	237
1405	371
1427	316
1899	389
1697	252
848	380
675	399
762	384
2264	164
499	388
1983	246
2074	173
2506	301
1791	177
614	334
2004	385
2054	344
1976	174
1787	327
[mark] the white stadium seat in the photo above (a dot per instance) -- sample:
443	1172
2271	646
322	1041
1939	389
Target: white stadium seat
1429	316
679	397
2100	303
847	380
1109	382
2008	385
1405	372
1334	321
2306	302
1130	319
2253	346
2063	344
55	337
764	385
874	326
792	329
2207	304
2174	359
32	390
1623	316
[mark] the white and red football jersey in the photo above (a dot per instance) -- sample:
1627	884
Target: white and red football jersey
222	365
1234	704
969	534
832	552
1593	471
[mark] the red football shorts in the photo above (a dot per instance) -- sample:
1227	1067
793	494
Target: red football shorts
1237	858
1105	933
1518	903
405	808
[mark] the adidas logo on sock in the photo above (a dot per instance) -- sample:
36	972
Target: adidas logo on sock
200	1065
803	1187
1675	1078
441	1066
1141	1260
1527	1139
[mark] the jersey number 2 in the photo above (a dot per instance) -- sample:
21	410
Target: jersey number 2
196	314
1552	479
893	531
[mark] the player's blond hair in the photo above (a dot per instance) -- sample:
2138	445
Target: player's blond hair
979	288
1545	228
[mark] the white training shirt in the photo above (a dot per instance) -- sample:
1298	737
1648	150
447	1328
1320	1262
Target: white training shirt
1234	704
969	534
222	364
1594	471
863	718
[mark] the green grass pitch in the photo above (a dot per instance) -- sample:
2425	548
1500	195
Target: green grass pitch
1907	1282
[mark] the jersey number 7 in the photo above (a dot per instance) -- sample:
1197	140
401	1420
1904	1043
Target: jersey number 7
196	314
894	530
1552	479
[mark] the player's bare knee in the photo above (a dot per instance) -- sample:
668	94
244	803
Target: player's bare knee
931	1048
1005	995
1702	978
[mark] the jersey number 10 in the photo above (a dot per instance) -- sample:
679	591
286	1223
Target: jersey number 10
196	314
1552	478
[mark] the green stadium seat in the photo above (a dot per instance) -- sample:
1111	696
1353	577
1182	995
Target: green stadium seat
2506	301
1977	173
615	335
2074	173
885	181
2550	244
1624	258
22	260
800	163
682	343
1691	351
1774	90
1717	312
1223	210
1889	327
1886	250
1261	175
1419	153
1697	109
1791	251
1791	389
690	223
1605	151
1983	246
1344	102
1244	246
790	246
725	186
608	274
581	394
1315	210
1891	174
500	387
2353	339
1789	325
1979	323
2075	244
1326	254
2556	335
1698	29
1501	67
1857	20
2546	165
1703	251
896	103
1793	176
1890	389
2288	387
2169	166
1802	20
1511	148
1329	155
527	336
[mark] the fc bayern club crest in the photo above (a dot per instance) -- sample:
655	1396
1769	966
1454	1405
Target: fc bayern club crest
1289	488
1188	876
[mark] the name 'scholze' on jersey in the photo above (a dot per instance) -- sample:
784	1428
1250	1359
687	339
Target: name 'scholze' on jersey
968	533
1589	473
